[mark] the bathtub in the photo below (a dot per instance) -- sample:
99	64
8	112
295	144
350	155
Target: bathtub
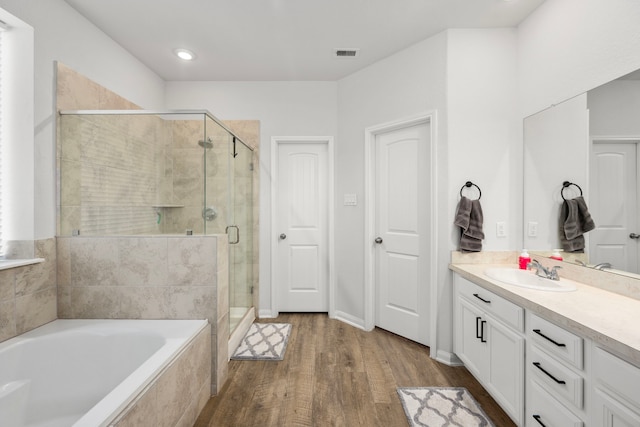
89	372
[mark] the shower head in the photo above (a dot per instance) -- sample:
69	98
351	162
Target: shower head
208	143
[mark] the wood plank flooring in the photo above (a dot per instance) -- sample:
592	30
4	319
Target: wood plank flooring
334	375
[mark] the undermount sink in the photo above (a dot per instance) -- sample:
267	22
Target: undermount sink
528	279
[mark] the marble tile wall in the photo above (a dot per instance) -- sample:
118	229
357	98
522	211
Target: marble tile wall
28	294
155	277
177	396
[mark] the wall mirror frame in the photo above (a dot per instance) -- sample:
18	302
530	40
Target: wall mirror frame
592	140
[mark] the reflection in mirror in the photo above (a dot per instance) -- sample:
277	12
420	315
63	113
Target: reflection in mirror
591	140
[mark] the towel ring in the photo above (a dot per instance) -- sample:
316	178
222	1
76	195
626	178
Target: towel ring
568	184
468	184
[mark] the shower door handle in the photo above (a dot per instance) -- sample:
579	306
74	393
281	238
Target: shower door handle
231	242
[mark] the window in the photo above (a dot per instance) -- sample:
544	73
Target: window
16	138
3	28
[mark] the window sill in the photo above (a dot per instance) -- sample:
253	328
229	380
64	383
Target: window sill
12	263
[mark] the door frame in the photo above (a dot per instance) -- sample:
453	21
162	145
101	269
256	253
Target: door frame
276	141
370	134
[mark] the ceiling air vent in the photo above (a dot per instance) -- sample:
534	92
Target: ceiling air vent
346	53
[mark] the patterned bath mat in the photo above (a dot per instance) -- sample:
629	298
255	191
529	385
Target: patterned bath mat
442	406
264	341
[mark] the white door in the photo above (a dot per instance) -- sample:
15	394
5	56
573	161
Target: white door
302	265
402	222
613	205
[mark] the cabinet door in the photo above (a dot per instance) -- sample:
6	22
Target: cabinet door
608	412
472	346
506	369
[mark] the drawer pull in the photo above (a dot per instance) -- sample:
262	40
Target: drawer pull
482	299
537	418
537	331
537	365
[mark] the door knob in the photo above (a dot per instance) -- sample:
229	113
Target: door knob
378	240
283	236
634	236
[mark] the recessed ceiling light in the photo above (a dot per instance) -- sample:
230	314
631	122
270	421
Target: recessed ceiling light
185	54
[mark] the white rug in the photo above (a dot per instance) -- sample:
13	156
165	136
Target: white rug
264	341
442	406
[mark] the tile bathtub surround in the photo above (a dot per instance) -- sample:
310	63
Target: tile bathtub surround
151	277
179	393
28	293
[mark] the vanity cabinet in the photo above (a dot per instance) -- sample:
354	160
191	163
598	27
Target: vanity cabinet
616	396
489	340
555	375
561	380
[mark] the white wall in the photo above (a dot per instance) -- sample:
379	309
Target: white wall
64	35
484	130
567	47
284	109
410	82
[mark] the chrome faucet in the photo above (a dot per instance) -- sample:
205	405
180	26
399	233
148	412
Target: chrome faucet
602	266
544	272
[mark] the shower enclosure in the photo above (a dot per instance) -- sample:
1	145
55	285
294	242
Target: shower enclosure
137	172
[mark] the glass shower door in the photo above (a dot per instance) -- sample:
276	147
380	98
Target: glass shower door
240	232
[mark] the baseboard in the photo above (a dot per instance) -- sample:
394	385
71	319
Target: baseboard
448	358
267	314
349	319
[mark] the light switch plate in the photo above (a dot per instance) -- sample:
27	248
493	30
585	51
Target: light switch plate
501	229
350	200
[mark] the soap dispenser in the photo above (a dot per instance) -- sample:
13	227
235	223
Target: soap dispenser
556	255
524	259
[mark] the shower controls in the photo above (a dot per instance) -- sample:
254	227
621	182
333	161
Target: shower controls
283	236
209	213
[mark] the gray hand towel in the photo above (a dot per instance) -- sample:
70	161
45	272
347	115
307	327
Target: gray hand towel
575	220
469	218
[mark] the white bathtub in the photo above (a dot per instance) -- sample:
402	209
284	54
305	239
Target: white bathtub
85	372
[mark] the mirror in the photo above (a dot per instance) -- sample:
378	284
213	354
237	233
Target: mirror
593	142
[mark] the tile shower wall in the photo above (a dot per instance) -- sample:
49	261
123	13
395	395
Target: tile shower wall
28	294
113	170
159	277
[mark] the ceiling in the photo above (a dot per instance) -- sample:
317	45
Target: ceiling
262	40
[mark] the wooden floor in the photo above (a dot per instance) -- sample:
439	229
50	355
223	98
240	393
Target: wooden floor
334	375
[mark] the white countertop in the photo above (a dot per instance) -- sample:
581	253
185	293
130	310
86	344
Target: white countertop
609	319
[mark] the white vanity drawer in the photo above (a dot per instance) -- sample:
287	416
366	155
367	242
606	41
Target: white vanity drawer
546	411
489	302
617	375
558	380
556	340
